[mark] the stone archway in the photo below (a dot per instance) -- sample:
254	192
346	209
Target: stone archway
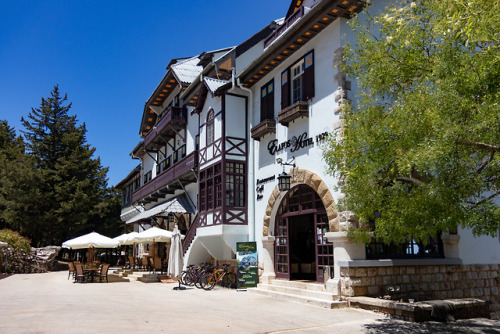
311	179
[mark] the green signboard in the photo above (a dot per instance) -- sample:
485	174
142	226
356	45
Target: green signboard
246	254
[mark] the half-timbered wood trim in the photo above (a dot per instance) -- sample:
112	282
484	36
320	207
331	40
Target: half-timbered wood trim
234	146
216	151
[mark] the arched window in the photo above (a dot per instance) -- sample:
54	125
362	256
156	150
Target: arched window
210	127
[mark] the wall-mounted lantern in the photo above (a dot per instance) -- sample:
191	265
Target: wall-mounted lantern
284	178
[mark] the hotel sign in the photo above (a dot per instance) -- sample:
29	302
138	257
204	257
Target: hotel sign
295	144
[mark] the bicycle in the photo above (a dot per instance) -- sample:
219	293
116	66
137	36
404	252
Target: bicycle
219	276
193	274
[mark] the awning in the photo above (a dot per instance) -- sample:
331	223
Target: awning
178	204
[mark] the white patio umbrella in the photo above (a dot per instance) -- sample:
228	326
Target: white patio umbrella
176	258
154	234
91	240
127	239
121	238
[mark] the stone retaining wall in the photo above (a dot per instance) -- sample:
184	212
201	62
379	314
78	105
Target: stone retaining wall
39	260
424	282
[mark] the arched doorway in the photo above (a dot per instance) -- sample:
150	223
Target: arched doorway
301	250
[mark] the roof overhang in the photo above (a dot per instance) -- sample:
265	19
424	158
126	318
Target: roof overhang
153	106
179	204
295	37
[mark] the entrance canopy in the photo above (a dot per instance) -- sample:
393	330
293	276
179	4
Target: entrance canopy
178	204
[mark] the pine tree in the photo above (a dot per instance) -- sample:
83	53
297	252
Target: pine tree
73	183
18	199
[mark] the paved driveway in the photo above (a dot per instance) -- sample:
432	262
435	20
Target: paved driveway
49	303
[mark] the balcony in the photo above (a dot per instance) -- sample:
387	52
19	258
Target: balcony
287	24
173	120
263	128
291	113
170	180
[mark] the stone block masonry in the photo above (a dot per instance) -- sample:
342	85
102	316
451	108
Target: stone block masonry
424	282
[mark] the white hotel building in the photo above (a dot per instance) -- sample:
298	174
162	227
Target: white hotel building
215	134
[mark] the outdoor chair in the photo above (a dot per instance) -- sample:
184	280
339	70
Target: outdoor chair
103	272
71	269
80	275
131	262
144	263
155	265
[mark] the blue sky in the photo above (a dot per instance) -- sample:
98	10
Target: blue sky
109	56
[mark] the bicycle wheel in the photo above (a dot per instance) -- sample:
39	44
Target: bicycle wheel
186	278
229	281
208	282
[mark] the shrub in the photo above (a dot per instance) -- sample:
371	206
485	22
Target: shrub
16	240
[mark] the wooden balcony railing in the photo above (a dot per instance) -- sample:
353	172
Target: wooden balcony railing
296	110
291	20
180	170
173	119
263	128
191	233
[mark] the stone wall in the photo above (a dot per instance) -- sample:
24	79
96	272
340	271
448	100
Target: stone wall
39	260
424	282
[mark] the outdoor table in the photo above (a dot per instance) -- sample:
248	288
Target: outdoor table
92	271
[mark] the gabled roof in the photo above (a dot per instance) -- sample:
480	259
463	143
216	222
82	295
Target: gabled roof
298	29
186	71
215	84
129	177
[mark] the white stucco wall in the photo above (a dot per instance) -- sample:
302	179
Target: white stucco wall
235	116
478	250
192	129
321	119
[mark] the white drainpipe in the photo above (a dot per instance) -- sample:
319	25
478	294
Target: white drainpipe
251	173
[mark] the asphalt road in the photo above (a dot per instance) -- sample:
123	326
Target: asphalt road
49	303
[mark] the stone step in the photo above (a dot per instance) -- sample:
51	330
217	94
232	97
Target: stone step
148	278
300	285
330	304
294	289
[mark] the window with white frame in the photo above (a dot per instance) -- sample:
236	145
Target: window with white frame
297	81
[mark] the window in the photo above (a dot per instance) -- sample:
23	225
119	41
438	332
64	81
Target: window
297	81
210	127
297	87
407	250
147	177
267	101
210	195
235	184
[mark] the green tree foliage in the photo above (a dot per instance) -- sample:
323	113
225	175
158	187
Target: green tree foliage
73	184
421	146
19	200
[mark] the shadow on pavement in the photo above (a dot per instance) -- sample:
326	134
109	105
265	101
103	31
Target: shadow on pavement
469	326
